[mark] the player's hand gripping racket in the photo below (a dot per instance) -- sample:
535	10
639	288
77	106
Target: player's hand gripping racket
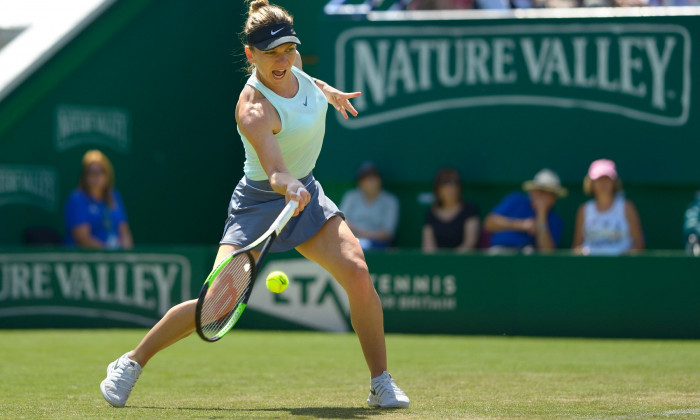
226	290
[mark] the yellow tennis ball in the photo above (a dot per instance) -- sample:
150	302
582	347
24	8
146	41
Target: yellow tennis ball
277	281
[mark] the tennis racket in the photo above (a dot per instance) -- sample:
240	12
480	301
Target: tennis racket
226	290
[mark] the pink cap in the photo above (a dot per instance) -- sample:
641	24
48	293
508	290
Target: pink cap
602	167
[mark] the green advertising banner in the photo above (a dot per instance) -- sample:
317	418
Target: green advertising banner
556	295
500	98
95	289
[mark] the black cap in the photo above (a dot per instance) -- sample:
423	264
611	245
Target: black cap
272	36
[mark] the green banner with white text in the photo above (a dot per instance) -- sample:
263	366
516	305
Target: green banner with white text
653	295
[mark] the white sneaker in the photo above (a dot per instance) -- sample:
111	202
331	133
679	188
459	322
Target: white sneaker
121	378
384	393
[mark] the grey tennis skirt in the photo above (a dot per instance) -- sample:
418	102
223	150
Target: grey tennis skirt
254	206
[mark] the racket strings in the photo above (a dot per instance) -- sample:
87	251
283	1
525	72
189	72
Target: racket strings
226	290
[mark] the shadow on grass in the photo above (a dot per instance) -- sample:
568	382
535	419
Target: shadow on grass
315	412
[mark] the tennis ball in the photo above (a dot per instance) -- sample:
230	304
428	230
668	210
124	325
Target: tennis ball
277	281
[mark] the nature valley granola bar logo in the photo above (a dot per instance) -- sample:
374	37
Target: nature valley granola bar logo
27	184
639	71
136	289
89	125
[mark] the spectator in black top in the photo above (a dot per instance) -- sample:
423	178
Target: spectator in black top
451	223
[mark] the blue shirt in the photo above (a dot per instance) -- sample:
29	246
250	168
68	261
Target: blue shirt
517	205
104	222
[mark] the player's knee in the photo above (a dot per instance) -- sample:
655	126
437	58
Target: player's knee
359	284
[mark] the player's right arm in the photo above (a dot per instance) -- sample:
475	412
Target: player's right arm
258	120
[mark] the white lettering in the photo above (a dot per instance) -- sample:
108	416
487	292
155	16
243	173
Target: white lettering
477	56
20	275
580	77
142	286
5	282
41	281
628	63
659	65
103	283
423	48
502	58
400	69
370	70
165	281
421	284
402	284
603	49
535	61
556	63
444	56
120	284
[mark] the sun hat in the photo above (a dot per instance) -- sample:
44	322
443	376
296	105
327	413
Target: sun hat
602	167
546	180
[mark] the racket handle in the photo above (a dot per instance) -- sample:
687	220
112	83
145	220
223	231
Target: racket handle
286	214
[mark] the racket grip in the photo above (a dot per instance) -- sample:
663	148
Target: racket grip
286	214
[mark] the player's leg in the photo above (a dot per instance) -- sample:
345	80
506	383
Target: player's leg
338	251
175	325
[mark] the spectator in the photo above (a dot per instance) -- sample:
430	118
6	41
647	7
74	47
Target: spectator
451	223
691	227
95	214
608	224
371	212
439	4
526	221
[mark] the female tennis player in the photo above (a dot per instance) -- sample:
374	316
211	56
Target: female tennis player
281	119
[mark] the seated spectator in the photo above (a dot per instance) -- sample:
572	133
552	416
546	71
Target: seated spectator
526	221
371	212
608	224
439	4
691	227
94	213
451	222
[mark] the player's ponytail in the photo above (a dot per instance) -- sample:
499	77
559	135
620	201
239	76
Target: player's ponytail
257	4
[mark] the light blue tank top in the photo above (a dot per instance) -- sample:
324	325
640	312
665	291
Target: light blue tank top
606	232
303	126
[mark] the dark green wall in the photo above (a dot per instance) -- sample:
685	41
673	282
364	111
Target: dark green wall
173	68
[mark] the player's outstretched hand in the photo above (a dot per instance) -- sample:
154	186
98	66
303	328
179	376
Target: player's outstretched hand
341	101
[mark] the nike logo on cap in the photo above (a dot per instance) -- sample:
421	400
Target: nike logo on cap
275	32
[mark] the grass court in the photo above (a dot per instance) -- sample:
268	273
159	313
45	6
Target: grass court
310	375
